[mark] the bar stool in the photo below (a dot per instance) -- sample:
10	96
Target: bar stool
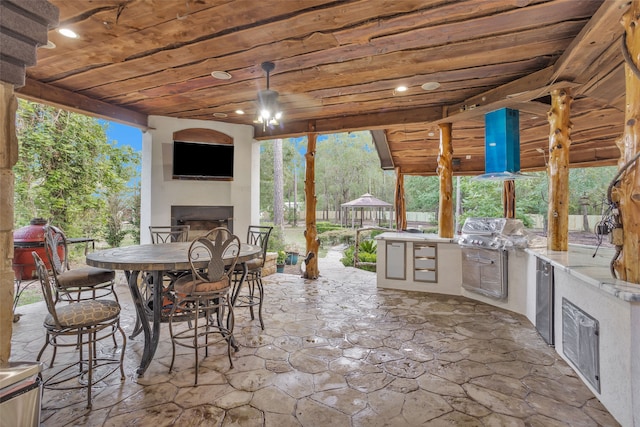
256	235
75	284
87	322
203	296
169	233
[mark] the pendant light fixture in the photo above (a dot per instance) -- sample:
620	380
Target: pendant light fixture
269	112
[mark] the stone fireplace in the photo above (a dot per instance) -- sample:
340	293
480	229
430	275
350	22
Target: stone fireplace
202	218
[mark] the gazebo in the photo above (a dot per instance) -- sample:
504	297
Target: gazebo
366	201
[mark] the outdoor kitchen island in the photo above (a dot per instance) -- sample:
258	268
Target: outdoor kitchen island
596	325
418	262
570	297
429	263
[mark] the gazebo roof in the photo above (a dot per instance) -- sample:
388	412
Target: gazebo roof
366	201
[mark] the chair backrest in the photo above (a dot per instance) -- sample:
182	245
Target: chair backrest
55	247
169	233
48	289
259	235
221	247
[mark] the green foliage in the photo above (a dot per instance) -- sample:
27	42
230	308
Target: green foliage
336	237
422	193
276	239
282	256
293	163
327	226
67	170
347	259
115	232
135	216
346	166
367	246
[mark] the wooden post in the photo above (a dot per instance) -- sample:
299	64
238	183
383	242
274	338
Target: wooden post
627	266
311	232
401	208
559	144
509	198
8	158
445	172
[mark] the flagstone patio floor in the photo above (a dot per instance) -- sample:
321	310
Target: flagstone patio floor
336	352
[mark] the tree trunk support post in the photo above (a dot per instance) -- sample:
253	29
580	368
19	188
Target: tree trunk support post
8	158
559	145
400	206
311	232
509	198
445	172
627	192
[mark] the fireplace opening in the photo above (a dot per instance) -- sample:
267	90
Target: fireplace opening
201	219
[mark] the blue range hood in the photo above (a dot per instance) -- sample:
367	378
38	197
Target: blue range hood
502	145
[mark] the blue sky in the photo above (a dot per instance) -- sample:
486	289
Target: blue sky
125	135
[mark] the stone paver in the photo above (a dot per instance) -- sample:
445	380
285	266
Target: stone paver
337	352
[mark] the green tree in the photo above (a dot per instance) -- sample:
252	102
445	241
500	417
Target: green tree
346	166
422	193
67	169
267	173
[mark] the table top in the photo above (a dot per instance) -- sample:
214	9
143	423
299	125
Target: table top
158	257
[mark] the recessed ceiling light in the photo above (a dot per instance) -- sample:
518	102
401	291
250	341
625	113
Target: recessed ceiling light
68	33
220	75
401	89
49	45
239	112
431	134
430	86
220	115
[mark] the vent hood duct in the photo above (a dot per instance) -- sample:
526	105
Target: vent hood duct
502	146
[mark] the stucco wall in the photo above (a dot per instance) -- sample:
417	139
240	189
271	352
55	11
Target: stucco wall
161	191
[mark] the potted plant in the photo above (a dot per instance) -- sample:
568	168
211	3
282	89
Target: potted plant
282	255
292	255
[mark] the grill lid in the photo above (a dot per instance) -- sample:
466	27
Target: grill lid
494	233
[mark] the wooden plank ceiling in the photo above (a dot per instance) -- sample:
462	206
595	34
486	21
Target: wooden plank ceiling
337	64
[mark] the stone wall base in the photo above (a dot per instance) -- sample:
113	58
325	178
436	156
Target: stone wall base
269	264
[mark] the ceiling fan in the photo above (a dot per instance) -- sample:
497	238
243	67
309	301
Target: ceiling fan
269	113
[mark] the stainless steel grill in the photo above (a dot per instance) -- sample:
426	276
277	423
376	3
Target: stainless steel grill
484	243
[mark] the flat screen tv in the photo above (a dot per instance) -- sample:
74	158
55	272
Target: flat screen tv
192	160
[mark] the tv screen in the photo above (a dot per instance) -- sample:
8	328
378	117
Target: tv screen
193	160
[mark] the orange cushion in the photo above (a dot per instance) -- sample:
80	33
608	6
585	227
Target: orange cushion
186	285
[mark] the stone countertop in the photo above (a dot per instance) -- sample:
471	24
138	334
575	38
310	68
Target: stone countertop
592	267
413	237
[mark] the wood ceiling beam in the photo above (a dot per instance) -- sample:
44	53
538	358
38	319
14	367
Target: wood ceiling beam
65	99
592	41
512	95
351	123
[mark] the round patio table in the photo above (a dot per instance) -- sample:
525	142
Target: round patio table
156	261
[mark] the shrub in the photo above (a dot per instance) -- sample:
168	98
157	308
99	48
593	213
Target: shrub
367	257
327	226
276	239
336	237
347	259
368	246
